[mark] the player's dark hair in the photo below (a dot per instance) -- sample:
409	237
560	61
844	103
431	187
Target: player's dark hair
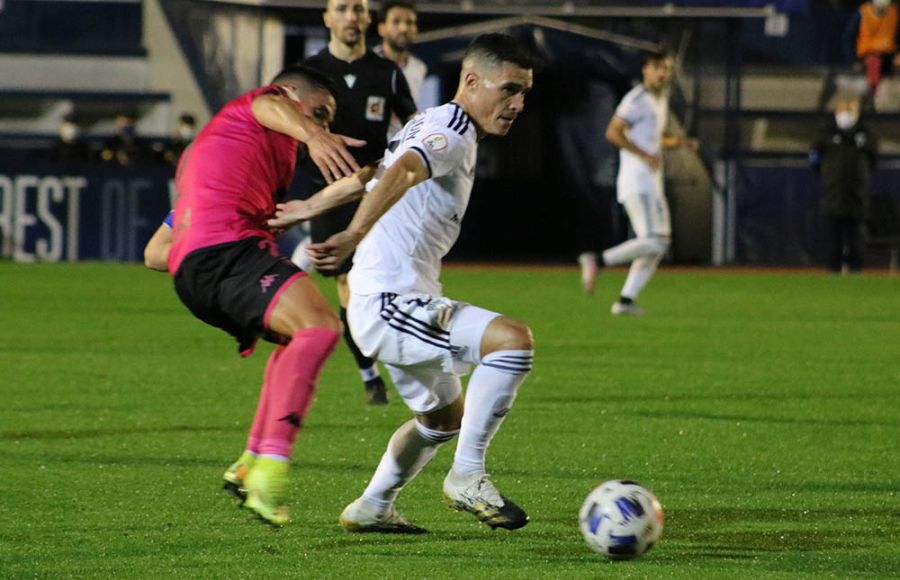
307	75
391	4
497	48
658	55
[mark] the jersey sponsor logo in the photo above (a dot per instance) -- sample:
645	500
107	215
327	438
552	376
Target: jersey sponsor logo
350	80
436	142
375	108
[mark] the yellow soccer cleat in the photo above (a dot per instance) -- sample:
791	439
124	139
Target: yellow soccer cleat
266	486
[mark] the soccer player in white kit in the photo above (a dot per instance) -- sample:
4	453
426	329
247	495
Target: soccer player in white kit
638	130
405	225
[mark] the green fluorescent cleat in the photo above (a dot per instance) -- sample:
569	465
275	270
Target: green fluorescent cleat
266	487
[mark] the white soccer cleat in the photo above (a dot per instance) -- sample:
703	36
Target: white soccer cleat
361	517
622	309
477	495
588	263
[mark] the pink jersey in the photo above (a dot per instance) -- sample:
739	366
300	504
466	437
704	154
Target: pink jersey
228	178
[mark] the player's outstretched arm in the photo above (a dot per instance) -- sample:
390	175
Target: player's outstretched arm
336	194
408	171
156	252
327	150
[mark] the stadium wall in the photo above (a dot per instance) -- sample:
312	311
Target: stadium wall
53	214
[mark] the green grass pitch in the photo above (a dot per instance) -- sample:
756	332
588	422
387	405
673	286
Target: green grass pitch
762	409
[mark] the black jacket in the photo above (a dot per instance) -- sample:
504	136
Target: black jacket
844	161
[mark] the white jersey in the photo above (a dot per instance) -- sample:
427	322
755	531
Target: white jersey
646	115
402	253
414	70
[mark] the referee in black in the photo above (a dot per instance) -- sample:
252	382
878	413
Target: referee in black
368	88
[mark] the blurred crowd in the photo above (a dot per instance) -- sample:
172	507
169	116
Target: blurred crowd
125	148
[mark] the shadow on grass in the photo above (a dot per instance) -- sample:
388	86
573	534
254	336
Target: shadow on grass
592	398
675	414
722	532
93	433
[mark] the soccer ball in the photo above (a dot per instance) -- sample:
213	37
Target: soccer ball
621	519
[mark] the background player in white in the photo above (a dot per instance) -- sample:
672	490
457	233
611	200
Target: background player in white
404	226
638	130
398	27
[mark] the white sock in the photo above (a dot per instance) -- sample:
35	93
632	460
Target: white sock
489	396
369	373
411	447
633	249
639	274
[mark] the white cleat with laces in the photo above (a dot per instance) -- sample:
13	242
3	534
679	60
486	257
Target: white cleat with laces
477	495
361	517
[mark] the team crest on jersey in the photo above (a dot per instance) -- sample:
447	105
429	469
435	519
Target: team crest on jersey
436	142
375	109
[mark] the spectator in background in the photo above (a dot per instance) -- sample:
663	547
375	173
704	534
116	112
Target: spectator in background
873	30
169	153
398	28
69	149
843	156
124	148
184	134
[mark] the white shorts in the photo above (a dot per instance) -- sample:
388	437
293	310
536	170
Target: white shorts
649	215
426	342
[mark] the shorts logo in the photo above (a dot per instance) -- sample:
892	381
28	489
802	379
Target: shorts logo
266	281
375	109
436	142
268	246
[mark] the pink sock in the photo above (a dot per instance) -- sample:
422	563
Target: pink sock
290	391
262	408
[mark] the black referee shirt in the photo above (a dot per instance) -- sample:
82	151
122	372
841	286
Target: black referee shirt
367	91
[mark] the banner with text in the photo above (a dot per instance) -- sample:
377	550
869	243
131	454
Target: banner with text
92	214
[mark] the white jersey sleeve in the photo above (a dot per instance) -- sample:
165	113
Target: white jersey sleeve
440	144
630	109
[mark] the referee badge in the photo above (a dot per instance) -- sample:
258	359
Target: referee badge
375	109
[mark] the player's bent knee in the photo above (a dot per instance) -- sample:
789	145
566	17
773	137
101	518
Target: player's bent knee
506	334
446	419
302	306
660	244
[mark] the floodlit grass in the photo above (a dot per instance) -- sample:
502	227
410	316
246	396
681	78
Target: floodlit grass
763	410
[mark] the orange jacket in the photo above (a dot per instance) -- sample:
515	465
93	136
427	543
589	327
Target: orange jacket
877	32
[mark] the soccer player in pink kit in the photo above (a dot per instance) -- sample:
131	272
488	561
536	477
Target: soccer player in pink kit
228	272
